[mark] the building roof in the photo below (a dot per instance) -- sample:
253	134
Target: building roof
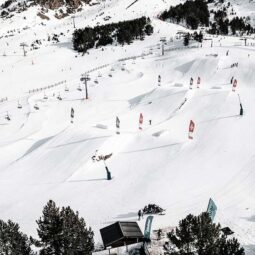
121	233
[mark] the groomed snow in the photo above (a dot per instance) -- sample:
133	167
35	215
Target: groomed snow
43	156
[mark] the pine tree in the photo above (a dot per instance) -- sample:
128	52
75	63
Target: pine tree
12	240
63	232
198	235
76	237
50	229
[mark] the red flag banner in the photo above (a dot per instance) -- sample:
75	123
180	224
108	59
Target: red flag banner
141	119
198	81
191	129
234	85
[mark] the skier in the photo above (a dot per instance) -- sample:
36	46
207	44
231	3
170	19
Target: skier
139	214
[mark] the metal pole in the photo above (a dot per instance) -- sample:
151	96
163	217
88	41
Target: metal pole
74	22
86	87
239	98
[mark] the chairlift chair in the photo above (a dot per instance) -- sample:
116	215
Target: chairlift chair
110	75
66	89
59	97
19	106
96	81
7	117
36	107
79	88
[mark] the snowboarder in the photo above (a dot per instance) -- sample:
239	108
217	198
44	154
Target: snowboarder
139	214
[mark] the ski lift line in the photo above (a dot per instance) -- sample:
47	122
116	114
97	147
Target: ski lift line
89	71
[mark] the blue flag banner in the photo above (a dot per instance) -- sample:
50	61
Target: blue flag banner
211	209
147	229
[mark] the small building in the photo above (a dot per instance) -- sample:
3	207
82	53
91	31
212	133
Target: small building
121	233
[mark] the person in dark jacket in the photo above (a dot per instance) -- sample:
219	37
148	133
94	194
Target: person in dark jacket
139	214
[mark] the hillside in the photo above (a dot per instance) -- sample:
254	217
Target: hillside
43	156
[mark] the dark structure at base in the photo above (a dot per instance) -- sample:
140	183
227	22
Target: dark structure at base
121	234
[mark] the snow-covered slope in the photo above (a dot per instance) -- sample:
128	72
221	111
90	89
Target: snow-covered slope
43	156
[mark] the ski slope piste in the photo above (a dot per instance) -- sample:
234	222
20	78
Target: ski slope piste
45	153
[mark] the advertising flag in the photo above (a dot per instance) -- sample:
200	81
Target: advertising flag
147	229
211	209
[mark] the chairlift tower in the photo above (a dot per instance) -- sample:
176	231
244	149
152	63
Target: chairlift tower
73	17
163	40
23	45
85	79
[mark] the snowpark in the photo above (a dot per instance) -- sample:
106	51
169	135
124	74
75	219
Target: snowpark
43	156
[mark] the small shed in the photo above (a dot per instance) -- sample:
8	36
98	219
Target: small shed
121	233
